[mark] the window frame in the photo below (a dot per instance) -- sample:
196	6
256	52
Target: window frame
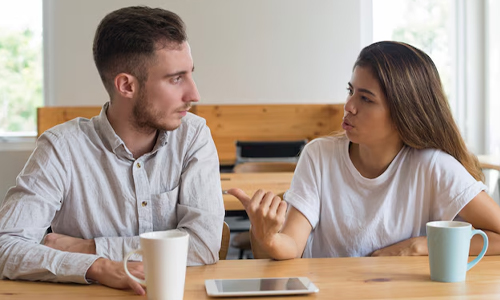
469	38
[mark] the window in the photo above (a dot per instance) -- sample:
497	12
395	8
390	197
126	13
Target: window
493	67
21	68
453	33
425	24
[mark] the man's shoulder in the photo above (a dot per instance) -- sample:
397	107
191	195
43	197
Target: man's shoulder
70	131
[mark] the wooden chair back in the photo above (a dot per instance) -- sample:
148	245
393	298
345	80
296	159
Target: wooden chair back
224	246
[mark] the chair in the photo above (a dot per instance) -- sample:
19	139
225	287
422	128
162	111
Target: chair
224	245
268	151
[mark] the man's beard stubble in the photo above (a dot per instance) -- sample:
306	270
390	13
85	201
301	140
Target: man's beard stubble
146	120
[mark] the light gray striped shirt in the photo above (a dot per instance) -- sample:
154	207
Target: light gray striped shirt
83	182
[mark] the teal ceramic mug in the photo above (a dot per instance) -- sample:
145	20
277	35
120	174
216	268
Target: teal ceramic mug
448	243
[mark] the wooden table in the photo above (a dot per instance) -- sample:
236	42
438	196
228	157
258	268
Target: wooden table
251	182
373	278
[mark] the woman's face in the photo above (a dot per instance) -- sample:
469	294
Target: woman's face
366	114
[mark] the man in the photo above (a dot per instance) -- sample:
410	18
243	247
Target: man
144	164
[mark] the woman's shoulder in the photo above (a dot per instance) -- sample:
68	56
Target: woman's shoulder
432	157
331	142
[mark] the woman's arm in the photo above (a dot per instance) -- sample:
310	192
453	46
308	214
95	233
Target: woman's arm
482	212
273	233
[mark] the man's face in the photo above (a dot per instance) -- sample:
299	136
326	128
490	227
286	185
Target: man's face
166	96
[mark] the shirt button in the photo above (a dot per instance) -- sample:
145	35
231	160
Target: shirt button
144	203
138	165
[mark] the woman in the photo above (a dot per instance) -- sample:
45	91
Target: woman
370	191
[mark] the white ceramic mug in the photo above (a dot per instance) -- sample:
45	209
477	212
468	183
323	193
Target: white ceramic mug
165	258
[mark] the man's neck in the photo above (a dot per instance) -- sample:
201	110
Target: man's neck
139	142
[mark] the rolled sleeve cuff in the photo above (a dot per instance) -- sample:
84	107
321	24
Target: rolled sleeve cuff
74	267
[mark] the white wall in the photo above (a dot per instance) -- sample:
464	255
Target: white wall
11	162
245	51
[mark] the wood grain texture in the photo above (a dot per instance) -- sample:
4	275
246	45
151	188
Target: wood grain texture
362	278
283	122
277	183
229	123
50	116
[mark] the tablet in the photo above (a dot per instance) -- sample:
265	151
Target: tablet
259	287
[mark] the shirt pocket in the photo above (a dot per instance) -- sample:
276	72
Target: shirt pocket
164	209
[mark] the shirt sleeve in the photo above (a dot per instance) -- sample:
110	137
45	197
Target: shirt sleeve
200	209
454	187
304	192
115	248
27	212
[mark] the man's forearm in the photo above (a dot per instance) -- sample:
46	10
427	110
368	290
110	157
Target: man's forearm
69	244
41	263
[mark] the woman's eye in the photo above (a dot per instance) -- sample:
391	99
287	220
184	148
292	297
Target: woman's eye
365	99
349	91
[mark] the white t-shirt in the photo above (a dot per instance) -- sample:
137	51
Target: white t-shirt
353	216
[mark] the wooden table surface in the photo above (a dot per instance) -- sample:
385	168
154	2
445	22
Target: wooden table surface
373	278
251	182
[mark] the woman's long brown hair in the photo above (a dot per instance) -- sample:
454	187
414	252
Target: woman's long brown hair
417	103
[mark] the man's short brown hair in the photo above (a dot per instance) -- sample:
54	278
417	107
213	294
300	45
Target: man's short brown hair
126	39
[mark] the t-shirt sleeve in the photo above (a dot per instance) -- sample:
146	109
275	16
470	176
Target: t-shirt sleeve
304	192
454	187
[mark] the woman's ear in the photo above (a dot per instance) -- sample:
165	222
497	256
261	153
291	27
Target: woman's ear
126	85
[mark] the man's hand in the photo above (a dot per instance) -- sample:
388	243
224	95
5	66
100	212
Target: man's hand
111	273
69	244
410	247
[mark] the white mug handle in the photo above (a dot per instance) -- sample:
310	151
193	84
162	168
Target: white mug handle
125	260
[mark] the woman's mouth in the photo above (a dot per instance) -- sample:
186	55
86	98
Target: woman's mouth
346	125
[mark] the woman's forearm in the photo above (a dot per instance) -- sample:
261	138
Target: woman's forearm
280	248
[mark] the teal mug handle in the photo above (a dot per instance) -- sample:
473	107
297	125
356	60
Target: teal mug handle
485	247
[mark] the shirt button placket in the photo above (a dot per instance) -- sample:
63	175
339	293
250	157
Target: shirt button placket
142	194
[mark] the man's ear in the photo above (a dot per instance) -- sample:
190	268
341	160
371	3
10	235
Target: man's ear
126	85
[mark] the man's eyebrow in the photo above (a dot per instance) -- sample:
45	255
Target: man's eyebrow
178	73
363	90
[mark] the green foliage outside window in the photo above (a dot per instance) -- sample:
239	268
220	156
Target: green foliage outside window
21	83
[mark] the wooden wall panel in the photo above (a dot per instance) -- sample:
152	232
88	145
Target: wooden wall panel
277	122
50	116
229	123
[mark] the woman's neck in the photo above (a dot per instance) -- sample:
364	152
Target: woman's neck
372	161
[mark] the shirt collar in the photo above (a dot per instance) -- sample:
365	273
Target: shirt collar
114	142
